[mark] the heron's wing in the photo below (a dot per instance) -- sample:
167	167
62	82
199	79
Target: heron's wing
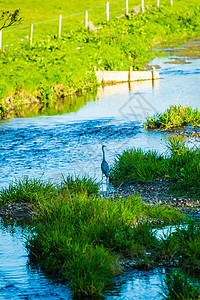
105	168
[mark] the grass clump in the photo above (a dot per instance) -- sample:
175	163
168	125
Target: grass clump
35	190
179	286
181	165
26	190
175	116
137	165
189	245
81	238
184	245
80	185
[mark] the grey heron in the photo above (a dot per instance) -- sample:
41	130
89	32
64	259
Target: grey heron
104	165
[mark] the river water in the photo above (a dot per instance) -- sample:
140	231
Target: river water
49	146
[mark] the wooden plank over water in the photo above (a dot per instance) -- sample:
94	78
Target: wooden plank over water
125	76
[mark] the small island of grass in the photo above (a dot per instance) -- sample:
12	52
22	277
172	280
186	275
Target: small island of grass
174	117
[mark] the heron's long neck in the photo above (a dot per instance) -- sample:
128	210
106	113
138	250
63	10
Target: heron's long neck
103	154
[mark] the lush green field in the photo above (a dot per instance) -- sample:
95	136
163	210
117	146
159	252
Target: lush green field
73	13
37	11
58	67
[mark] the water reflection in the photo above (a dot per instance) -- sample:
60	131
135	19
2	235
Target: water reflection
52	108
17	280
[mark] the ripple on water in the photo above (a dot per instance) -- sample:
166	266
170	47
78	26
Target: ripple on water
17	279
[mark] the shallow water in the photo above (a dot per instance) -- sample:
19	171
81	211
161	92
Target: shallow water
71	143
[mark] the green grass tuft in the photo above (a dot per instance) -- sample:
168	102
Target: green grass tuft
36	190
137	165
179	286
181	165
174	117
27	190
80	185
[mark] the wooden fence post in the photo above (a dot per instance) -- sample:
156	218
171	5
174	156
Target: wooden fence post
158	3
0	39
126	7
130	73
142	5
86	19
60	26
31	34
107	11
153	73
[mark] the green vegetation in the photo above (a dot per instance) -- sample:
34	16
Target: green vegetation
35	190
181	165
47	107
184	244
179	286
82	238
174	117
58	67
26	190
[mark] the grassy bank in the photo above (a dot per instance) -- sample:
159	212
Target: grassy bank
53	67
181	164
174	117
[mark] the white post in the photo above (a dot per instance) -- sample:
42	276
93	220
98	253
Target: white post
126	7
0	39
60	25
171	2
31	34
158	3
153	73
142	5
107	11
86	19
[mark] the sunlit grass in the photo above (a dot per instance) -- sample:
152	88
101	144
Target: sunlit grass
36	73
181	165
32	190
174	117
83	238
